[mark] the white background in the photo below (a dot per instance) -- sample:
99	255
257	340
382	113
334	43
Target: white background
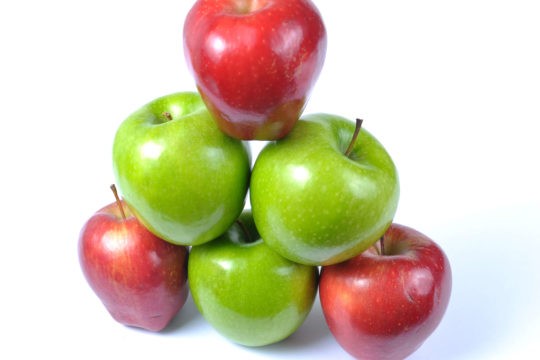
451	88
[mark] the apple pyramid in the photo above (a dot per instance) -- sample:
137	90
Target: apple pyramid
323	191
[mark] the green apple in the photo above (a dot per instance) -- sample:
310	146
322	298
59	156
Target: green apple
249	293
184	179
321	195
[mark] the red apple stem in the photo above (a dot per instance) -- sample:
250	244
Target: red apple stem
118	201
167	115
354	137
381	243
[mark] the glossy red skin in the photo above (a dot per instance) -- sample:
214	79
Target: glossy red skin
384	307
140	278
255	69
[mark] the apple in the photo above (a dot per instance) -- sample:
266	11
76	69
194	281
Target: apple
250	294
255	62
384	303
183	178
140	278
324	193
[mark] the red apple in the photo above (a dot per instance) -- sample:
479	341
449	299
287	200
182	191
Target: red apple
383	303
255	62
140	278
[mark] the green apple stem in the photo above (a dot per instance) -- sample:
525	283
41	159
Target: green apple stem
118	201
167	115
354	137
245	230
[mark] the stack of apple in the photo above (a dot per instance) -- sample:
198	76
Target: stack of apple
323	194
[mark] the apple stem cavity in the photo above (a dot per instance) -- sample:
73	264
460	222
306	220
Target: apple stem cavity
248	6
354	137
167	115
118	202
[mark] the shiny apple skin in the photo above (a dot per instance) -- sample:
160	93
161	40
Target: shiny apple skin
185	180
386	306
255	68
140	278
316	206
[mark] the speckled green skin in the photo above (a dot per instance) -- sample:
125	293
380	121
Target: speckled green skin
184	179
314	205
246	291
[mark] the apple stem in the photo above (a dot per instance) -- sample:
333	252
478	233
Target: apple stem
167	115
118	201
381	242
354	137
244	229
